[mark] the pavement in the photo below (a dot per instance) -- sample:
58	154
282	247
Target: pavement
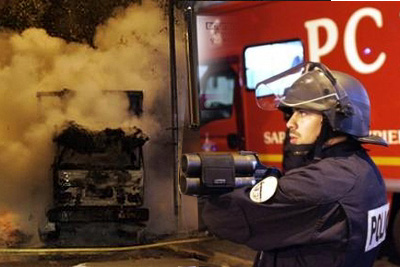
199	252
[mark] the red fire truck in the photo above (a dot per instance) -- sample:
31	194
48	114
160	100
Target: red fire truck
243	42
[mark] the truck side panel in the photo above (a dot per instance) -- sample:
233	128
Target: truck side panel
359	38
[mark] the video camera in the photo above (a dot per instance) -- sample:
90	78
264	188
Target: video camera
210	173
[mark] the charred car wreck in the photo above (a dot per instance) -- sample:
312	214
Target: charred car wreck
98	176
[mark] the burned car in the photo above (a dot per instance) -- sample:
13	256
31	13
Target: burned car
98	176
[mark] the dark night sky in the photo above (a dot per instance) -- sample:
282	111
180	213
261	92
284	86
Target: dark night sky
73	20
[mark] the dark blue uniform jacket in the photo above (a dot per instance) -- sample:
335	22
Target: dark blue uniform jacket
332	212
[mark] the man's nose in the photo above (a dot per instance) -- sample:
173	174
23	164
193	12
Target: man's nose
291	123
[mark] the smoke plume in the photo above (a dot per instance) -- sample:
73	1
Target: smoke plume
131	54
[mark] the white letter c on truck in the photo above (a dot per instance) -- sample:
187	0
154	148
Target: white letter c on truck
350	44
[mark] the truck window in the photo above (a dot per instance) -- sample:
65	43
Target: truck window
264	61
216	94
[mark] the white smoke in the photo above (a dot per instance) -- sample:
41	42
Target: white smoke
131	54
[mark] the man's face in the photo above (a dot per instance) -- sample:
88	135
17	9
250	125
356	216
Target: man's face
304	126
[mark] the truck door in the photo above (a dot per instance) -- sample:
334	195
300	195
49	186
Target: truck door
218	86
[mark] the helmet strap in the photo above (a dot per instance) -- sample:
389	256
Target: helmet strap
327	133
295	156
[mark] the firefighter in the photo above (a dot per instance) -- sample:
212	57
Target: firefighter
330	209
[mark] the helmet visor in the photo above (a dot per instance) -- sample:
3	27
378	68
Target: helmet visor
282	90
270	92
